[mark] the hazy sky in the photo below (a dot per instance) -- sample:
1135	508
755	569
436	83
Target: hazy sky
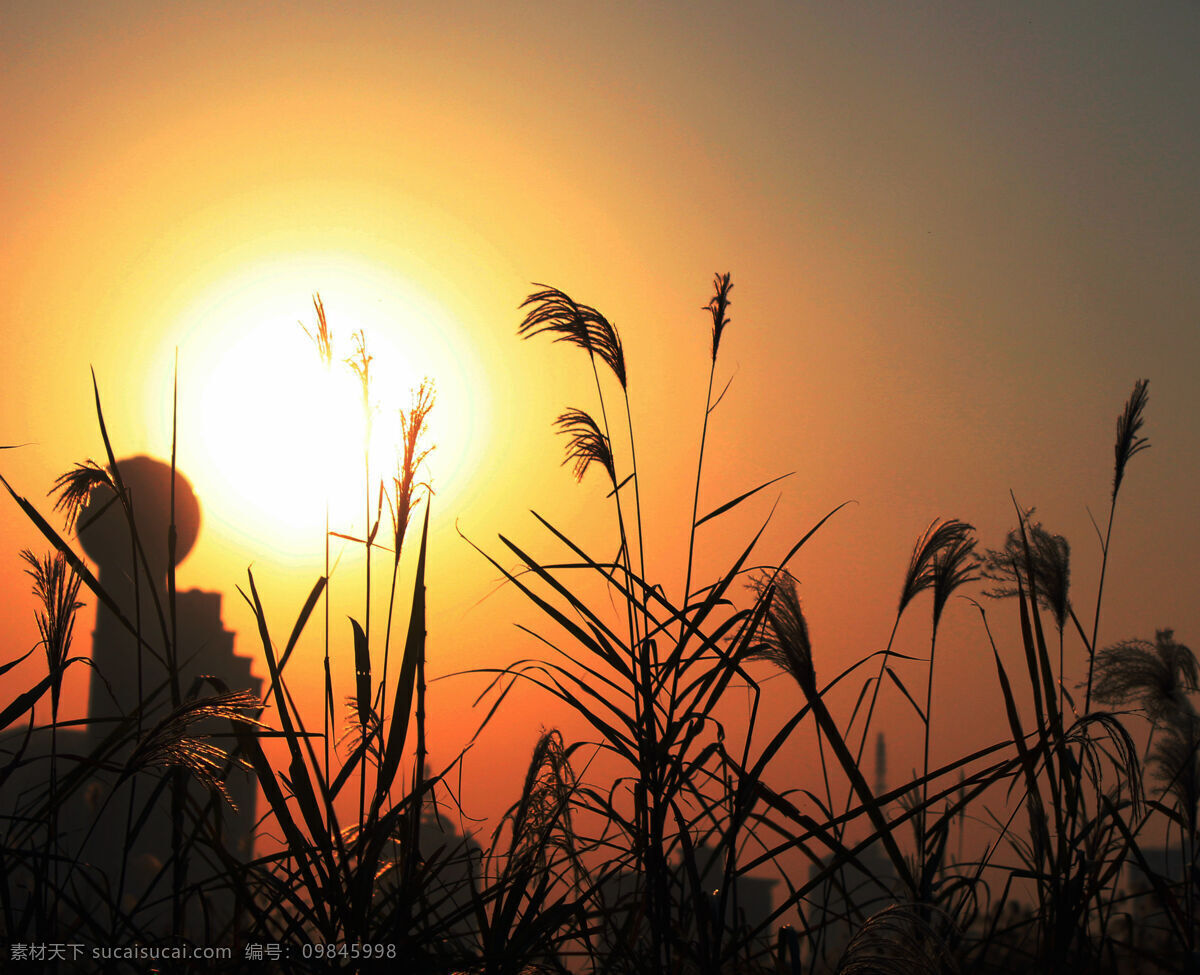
958	234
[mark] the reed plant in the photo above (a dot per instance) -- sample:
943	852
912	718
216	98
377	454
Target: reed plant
322	339
322	883
652	687
631	850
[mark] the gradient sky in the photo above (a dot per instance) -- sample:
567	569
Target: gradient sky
958	234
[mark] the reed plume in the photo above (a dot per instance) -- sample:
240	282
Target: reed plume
74	490
941	561
953	566
363	730
555	312
360	365
784	640
400	505
56	588
586	444
321	336
1129	423
173	742
1175	761
933	565
541	820
718	306
1044	565
1158	675
718	309
944	566
1128	444
412	455
899	940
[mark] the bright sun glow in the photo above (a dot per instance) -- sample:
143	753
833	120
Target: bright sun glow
267	432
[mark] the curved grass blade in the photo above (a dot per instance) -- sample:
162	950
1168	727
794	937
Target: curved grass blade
904	690
728	505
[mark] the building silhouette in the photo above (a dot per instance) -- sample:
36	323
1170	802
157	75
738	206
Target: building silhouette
847	896
744	905
106	765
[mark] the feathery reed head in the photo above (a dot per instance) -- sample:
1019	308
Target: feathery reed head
321	337
173	743
1045	566
541	819
718	307
953	566
360	365
363	724
74	489
929	557
1128	424
587	443
412	456
785	640
1158	675
554	311
901	940
1175	761
56	587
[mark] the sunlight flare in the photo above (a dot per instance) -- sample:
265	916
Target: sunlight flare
272	427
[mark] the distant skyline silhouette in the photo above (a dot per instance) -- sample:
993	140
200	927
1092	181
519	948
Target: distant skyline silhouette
122	680
960	234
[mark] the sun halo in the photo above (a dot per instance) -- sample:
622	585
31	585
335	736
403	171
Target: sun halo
270	433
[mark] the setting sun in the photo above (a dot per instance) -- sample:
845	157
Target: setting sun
269	431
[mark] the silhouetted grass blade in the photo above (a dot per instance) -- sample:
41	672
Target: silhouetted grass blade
414	647
729	505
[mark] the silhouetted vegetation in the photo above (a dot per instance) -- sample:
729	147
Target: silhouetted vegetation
639	849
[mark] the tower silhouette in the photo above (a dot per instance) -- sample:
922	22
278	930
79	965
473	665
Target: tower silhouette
181	643
201	645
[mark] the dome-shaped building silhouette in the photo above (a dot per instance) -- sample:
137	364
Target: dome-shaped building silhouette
189	634
152	650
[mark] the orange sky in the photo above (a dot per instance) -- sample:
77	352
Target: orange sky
958	236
